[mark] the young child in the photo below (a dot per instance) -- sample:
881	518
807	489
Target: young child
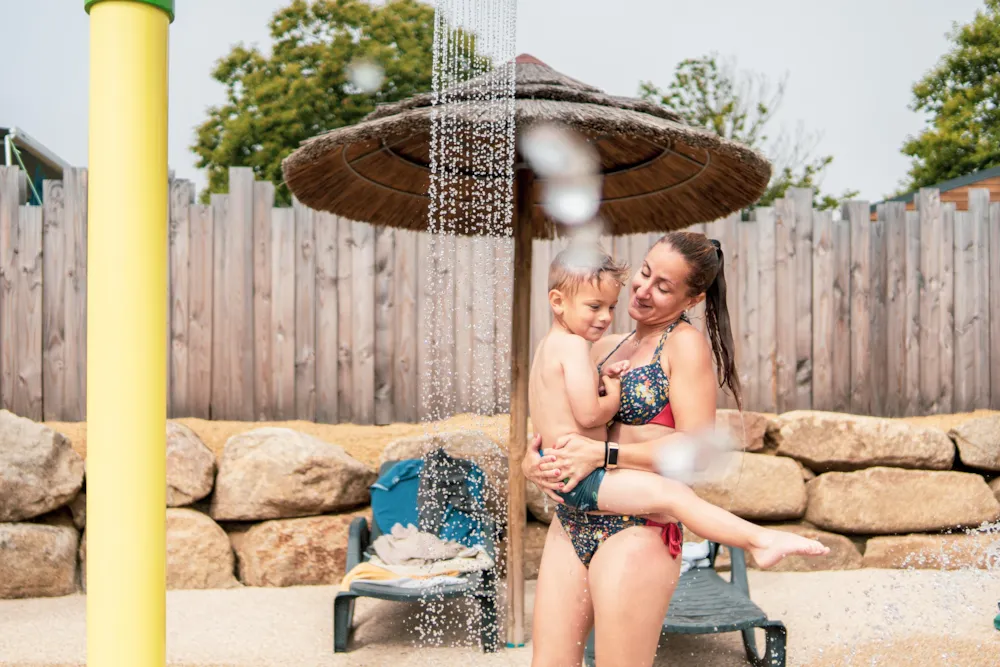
564	398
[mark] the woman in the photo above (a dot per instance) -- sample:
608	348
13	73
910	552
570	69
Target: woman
625	591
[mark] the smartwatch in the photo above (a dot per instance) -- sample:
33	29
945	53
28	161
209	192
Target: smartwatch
611	455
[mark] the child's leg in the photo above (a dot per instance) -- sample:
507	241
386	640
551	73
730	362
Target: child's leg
644	493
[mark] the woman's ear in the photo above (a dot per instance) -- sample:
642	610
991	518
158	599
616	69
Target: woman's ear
557	301
696	300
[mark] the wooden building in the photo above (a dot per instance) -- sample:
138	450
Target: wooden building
956	190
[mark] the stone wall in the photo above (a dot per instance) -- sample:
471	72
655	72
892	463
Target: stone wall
274	510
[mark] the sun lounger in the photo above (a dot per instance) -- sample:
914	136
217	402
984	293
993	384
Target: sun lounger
705	603
480	586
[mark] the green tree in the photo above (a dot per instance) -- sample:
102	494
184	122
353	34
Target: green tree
303	88
741	106
961	97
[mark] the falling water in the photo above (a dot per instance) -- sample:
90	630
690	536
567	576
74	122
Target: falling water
472	145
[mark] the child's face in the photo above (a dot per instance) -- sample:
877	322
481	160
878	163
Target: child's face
589	311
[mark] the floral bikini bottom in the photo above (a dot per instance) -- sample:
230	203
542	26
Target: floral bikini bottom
588	531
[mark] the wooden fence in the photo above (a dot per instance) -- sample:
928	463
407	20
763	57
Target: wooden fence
288	313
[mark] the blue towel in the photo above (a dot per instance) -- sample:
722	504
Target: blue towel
394	495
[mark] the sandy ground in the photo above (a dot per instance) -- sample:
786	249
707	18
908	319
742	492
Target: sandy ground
861	617
366	443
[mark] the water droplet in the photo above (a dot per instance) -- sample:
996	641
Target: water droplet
365	75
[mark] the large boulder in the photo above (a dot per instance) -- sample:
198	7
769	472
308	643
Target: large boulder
37	560
995	487
747	428
892	500
831	441
468	444
39	471
295	552
272	473
190	466
540	505
844	555
198	552
534	542
978	442
758	487
78	509
934	552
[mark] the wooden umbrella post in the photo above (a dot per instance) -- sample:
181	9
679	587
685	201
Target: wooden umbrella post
520	341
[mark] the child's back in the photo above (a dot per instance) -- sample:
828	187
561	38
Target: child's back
548	395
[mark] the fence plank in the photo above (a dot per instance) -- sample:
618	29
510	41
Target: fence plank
483	316
75	295
929	213
911	334
327	247
749	333
725	231
232	354
879	379
823	316
541	258
993	257
803	209
201	290
979	210
767	394
965	313
263	336
363	291
345	322
53	301
9	202
445	322
404	386
28	314
857	213
894	214
181	194
946	341
464	335
305	312
426	345
504	254
282	325
385	325
842	316
786	303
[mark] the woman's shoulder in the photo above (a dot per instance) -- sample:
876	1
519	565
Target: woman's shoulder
688	343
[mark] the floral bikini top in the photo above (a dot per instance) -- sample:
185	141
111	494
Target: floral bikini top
646	389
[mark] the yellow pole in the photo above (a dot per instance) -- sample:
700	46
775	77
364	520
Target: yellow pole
126	321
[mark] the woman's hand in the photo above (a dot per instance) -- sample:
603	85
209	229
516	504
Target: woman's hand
576	456
532	466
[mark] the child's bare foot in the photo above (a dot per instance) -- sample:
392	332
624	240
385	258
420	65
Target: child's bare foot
773	545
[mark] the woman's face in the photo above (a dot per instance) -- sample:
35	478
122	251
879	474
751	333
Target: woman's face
659	292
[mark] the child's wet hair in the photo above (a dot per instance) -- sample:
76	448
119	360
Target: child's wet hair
582	263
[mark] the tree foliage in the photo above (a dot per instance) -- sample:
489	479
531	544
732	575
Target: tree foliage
302	88
741	106
961	97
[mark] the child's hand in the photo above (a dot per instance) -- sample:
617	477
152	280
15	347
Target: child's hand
613	386
616	369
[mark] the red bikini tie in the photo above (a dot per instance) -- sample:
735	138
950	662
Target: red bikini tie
671	535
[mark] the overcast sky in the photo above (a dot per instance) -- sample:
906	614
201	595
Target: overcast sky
850	64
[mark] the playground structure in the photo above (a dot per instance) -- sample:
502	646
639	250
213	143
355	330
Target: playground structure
126	324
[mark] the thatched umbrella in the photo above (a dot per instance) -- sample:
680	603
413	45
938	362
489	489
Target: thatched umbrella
659	174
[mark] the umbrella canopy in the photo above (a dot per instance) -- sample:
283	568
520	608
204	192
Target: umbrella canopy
658	172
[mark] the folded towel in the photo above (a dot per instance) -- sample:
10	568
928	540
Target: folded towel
373	573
